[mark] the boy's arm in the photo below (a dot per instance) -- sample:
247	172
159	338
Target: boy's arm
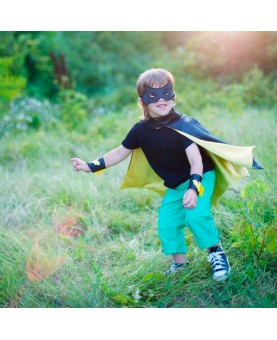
116	156
195	159
113	157
196	168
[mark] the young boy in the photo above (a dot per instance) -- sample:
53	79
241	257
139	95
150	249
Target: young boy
167	140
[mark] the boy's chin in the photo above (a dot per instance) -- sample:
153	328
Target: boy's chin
160	114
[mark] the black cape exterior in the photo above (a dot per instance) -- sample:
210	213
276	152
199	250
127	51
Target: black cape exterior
231	162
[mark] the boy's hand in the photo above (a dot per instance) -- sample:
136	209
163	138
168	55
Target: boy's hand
78	165
190	199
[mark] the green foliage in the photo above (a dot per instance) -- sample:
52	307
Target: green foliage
102	62
29	70
258	89
194	95
11	85
37	65
116	100
255	89
74	108
254	233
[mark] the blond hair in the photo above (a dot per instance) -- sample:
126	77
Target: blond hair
154	77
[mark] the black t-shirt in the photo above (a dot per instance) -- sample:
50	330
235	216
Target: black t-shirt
164	149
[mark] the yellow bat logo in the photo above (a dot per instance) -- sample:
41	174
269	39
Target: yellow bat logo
96	162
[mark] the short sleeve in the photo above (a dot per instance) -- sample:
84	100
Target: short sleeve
130	142
186	142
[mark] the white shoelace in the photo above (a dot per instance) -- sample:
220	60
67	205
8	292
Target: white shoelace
216	260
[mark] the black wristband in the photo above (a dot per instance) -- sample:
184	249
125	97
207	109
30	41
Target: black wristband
195	183
97	165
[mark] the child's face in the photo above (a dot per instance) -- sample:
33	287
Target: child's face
158	100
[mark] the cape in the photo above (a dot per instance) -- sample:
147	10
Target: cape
231	162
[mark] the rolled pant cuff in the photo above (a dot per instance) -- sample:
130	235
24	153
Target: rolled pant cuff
209	244
174	250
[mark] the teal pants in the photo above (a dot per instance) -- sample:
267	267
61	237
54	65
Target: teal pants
173	218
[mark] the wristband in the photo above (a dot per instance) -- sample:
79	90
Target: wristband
97	166
195	184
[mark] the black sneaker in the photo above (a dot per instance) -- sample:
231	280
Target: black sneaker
175	267
220	264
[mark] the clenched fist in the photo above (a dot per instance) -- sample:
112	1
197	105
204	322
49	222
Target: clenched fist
78	165
190	199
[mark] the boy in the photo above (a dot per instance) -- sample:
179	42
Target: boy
167	141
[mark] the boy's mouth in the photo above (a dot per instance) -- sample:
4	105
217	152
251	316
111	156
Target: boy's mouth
161	106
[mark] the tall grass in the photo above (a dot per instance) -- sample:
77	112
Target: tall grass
76	240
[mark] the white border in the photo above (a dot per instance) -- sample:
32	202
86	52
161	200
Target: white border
141	15
124	323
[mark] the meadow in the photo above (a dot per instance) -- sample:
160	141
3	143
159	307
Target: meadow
71	239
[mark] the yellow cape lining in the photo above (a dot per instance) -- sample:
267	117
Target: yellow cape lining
231	163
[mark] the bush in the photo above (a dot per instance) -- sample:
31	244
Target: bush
74	108
257	88
11	85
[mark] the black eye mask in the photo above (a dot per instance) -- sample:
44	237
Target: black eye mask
152	95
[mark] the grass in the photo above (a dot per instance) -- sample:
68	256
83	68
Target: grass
76	240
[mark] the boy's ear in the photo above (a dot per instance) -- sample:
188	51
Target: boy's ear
140	103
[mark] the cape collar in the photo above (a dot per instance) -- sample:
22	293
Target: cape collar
170	118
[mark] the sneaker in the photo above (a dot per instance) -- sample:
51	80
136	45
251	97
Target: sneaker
175	267
220	264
